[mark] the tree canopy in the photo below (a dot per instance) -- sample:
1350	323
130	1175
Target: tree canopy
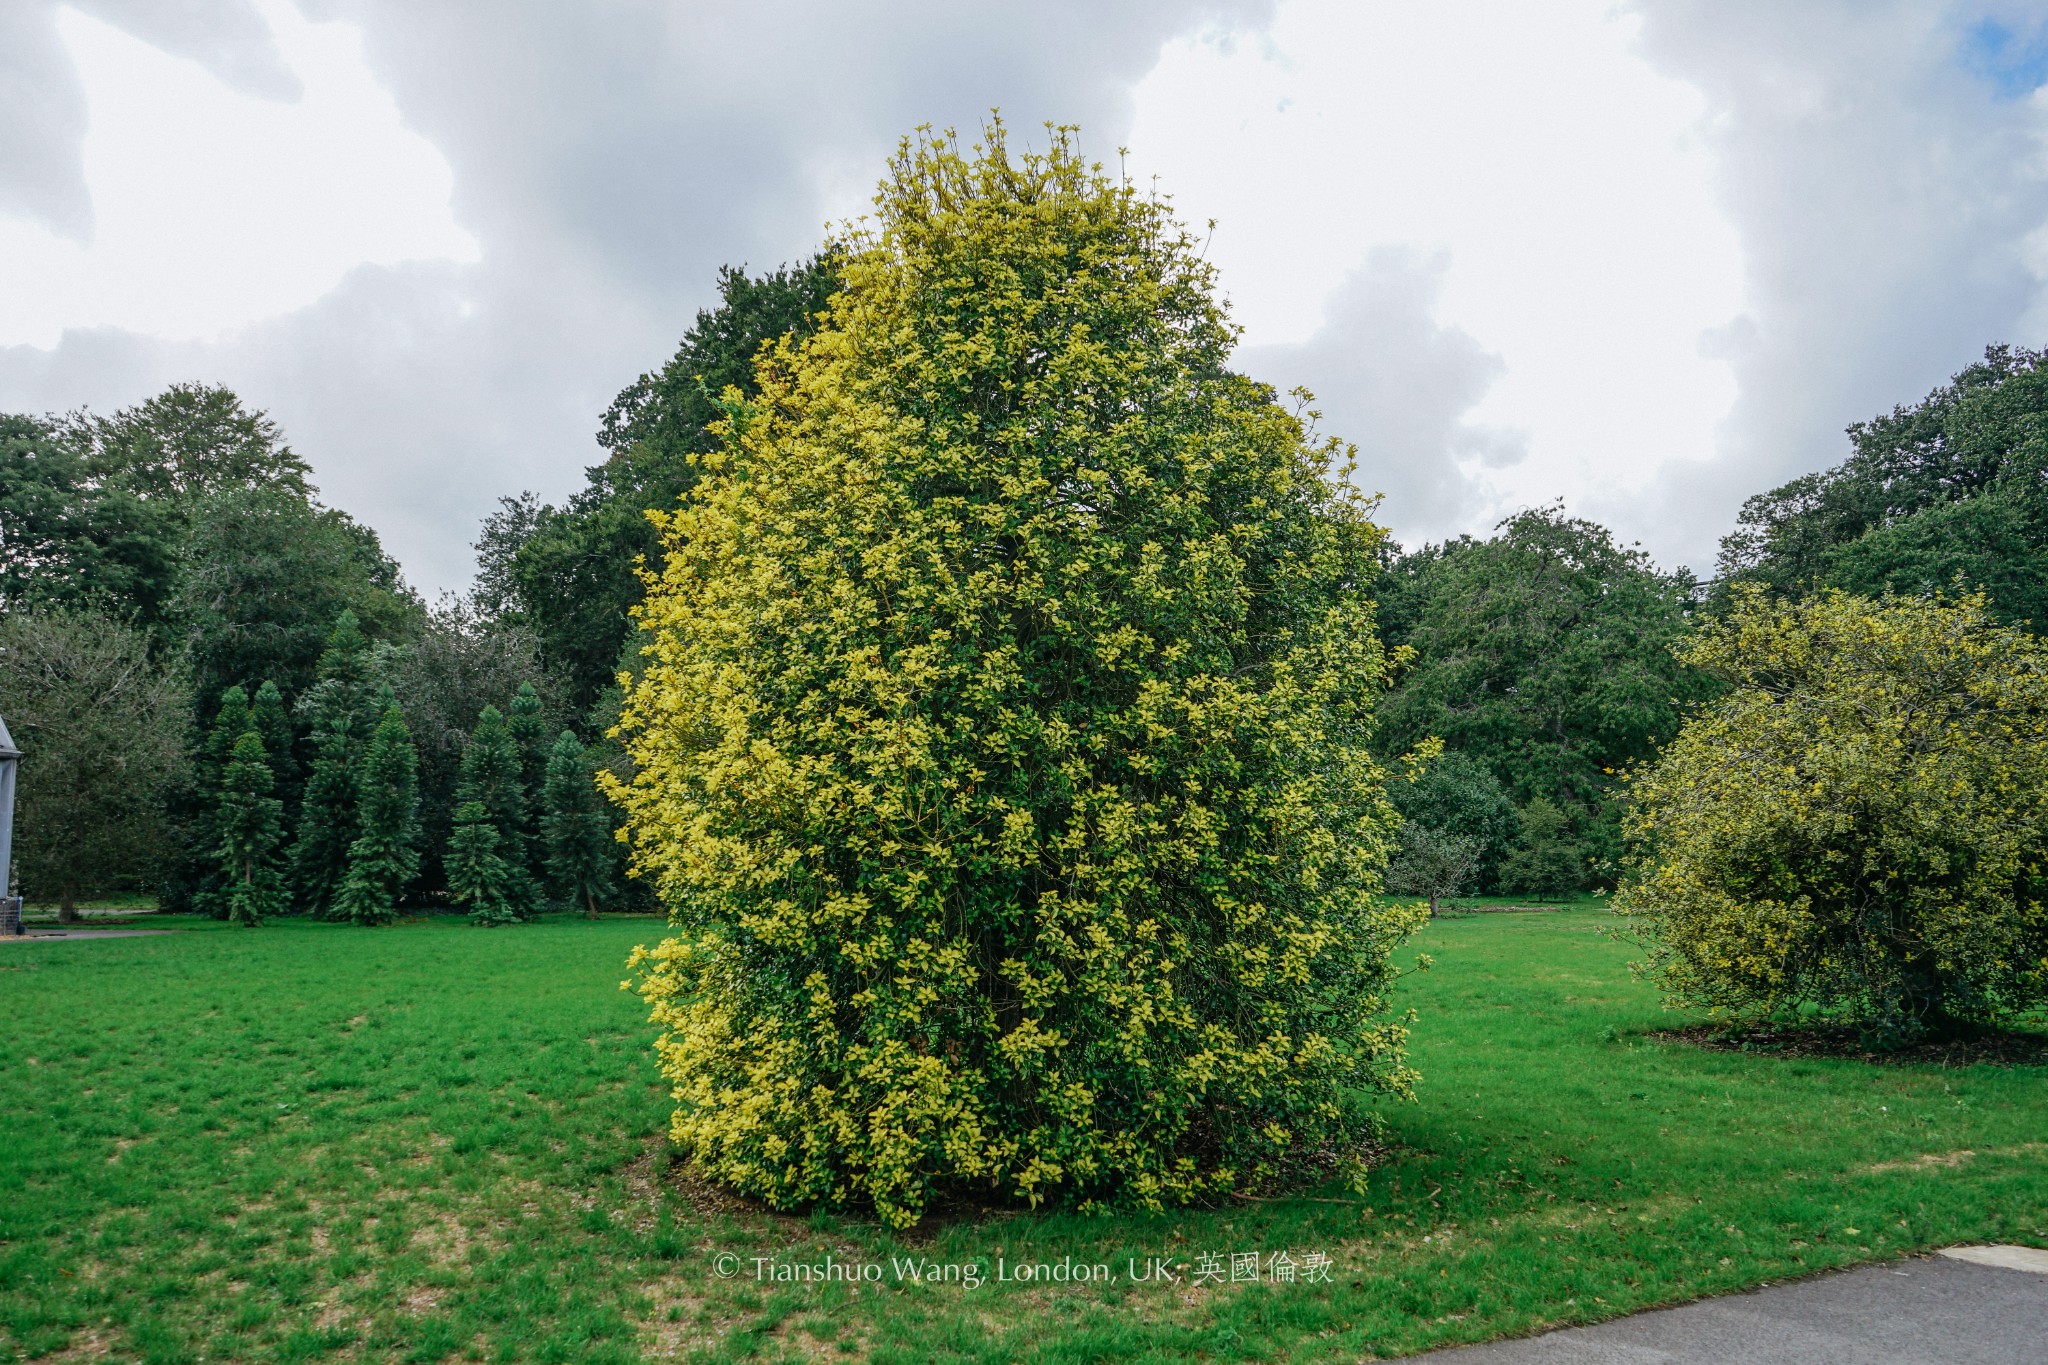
71	539
569	572
1949	490
1543	652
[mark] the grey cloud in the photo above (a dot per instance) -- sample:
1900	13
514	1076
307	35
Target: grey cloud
1391	380
607	165
42	105
1883	192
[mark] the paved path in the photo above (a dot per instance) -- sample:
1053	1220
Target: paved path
1966	1306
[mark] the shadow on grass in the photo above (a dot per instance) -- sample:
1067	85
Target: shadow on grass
1986	1047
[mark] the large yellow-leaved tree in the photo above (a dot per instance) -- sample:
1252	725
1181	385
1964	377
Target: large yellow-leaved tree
1001	734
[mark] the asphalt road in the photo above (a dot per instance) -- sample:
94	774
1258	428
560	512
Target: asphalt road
1965	1306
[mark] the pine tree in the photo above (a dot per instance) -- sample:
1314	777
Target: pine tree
490	776
477	876
529	731
273	722
229	723
340	720
385	856
576	827
250	823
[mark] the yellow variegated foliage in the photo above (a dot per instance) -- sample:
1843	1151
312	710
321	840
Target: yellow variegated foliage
1860	826
1001	733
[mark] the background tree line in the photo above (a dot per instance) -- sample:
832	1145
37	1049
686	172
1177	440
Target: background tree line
155	559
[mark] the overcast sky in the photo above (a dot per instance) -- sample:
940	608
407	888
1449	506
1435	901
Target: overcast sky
1646	257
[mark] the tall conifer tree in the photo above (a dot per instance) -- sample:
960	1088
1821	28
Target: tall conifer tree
385	856
490	776
249	821
229	722
529	731
340	721
477	876
576	828
273	722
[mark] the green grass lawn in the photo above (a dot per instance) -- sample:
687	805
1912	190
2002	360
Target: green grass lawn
314	1142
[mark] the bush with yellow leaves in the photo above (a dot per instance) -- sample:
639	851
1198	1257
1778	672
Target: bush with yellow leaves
1001	733
1858	830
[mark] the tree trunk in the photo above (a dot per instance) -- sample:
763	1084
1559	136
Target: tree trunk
589	904
67	905
1432	905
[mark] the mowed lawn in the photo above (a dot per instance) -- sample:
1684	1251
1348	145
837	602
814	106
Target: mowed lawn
315	1142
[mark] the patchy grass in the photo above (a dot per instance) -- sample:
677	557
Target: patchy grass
312	1142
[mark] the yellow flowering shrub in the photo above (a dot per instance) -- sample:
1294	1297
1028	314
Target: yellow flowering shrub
1001	732
1858	828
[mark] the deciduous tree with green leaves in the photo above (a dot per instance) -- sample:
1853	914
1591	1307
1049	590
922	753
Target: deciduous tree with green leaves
568	573
1953	488
70	538
1455	794
266	574
1001	732
1434	863
1543	652
103	725
1860	826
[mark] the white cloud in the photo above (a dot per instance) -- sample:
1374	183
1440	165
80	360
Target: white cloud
1561	179
606	165
1651	259
1890	195
1400	386
214	207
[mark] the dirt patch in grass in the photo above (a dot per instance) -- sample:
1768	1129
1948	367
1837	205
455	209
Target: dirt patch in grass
1993	1047
1930	1161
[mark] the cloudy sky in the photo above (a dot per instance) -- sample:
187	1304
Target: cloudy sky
1646	257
